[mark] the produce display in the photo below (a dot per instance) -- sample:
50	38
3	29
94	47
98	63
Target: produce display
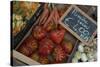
46	43
49	42
52	48
22	12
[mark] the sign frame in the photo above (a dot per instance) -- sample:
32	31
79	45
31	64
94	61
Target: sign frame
71	31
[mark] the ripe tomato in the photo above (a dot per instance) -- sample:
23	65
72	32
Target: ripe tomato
57	36
39	32
45	47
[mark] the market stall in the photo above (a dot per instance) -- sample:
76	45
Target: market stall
45	33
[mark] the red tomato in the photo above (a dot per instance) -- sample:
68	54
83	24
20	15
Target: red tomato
45	47
24	50
39	32
31	43
59	54
57	36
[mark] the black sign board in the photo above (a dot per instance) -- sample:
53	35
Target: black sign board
79	24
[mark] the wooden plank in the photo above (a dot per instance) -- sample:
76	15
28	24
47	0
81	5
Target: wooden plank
24	58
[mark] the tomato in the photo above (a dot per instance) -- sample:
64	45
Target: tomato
57	36
35	56
31	43
59	54
24	50
43	60
39	32
45	46
67	47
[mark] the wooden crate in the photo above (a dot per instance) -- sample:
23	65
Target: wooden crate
29	61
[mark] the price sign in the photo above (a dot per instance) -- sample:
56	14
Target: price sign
79	24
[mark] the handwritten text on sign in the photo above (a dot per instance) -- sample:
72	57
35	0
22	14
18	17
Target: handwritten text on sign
80	24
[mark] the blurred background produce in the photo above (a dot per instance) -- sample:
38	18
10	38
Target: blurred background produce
22	12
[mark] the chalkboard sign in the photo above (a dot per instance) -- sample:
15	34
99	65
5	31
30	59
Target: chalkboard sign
79	24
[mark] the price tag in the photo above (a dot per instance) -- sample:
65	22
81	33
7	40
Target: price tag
79	24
